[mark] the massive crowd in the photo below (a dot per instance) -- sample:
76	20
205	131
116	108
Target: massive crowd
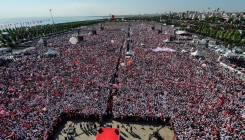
201	102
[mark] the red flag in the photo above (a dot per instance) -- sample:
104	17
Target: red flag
75	80
112	16
228	127
129	62
76	62
226	113
186	85
229	30
222	100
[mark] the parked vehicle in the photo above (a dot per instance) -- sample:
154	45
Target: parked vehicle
5	50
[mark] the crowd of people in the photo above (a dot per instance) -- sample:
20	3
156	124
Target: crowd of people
201	102
37	89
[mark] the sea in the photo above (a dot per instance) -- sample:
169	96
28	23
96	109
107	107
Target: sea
33	21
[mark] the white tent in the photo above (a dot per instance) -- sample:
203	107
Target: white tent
196	53
142	44
202	42
50	52
212	42
184	51
5	33
167	40
229	54
192	49
130	53
40	41
90	33
180	32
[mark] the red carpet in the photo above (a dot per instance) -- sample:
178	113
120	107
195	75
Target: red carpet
108	134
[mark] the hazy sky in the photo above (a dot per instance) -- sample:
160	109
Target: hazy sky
40	8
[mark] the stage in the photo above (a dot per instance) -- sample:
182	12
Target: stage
108	134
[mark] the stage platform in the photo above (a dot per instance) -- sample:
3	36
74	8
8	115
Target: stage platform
108	134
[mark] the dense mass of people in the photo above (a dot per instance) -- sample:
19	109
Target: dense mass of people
202	102
37	89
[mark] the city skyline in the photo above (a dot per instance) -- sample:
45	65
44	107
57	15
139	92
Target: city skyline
28	8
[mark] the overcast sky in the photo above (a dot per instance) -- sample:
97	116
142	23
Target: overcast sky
40	8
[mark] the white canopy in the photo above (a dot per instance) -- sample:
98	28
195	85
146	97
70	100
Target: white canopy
202	42
142	44
192	49
130	52
90	33
212	42
229	54
40	41
196	53
167	40
180	32
5	33
184	51
50	52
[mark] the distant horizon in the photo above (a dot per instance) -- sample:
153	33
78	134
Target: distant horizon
108	15
73	8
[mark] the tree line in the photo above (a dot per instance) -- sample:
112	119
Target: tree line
18	35
231	31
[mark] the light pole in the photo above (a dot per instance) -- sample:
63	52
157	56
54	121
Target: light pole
51	16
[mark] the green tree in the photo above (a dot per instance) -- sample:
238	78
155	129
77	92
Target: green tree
236	37
230	20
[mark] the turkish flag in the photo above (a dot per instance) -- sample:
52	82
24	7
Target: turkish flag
186	85
222	100
228	127
75	80
76	62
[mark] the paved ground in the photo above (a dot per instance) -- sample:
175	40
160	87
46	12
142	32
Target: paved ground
141	130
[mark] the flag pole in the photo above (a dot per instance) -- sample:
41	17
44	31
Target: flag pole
51	16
